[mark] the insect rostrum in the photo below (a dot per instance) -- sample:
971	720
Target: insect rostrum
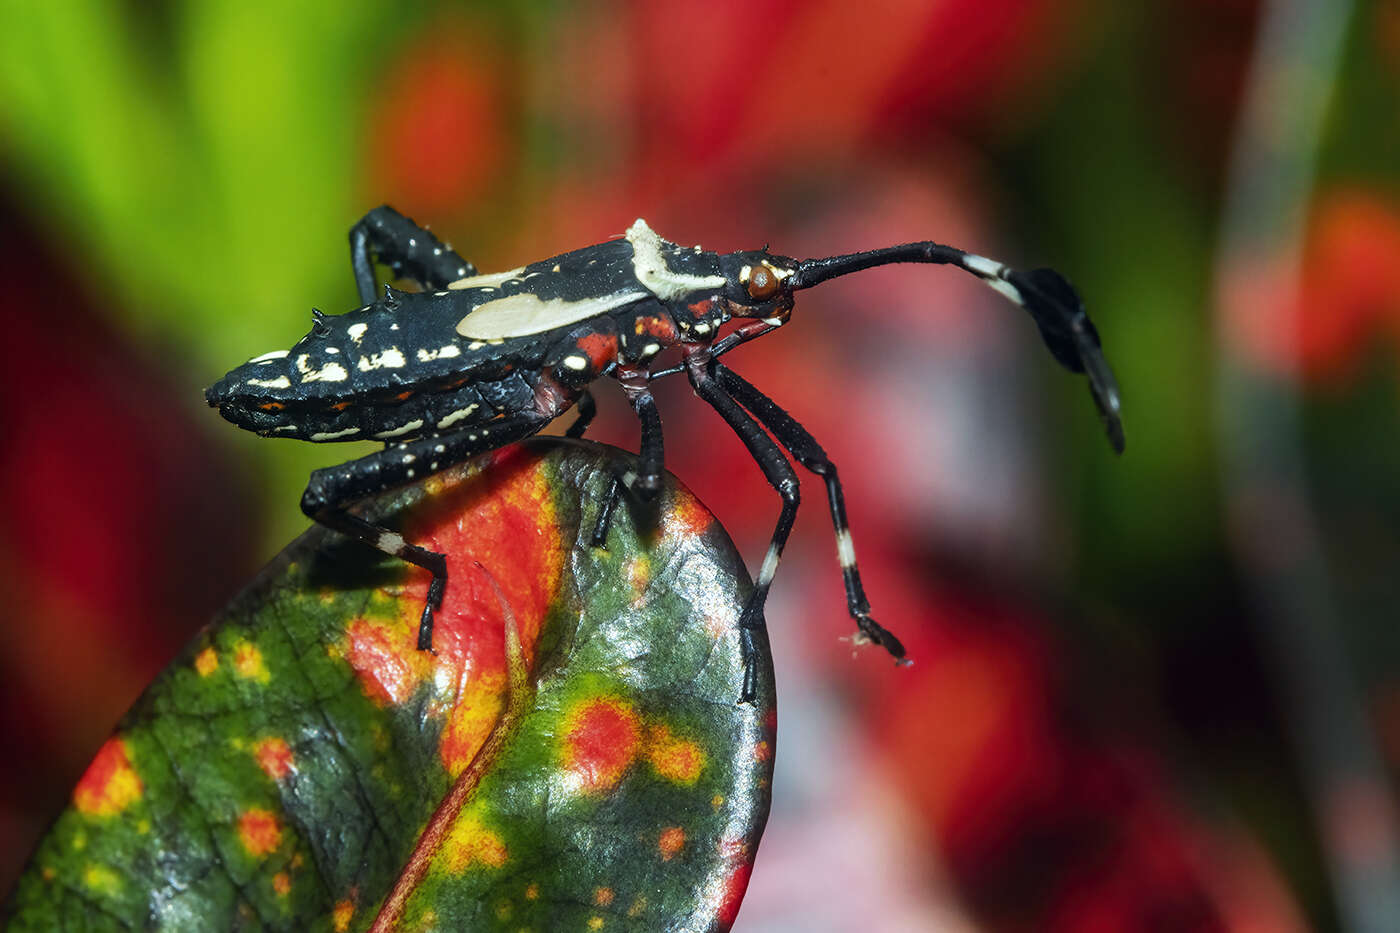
475	362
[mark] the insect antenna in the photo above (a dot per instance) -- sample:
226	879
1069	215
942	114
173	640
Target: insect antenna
1051	301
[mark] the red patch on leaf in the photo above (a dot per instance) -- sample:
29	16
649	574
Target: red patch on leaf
601	738
687	516
386	659
110	784
733	894
260	831
274	756
500	521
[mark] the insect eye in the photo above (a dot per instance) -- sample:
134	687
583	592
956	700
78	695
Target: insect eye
762	283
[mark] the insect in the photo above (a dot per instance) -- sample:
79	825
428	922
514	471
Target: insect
474	362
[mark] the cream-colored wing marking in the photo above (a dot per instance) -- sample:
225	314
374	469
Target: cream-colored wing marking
649	265
489	280
525	314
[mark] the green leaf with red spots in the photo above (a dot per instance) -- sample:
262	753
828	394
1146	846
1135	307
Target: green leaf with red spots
573	756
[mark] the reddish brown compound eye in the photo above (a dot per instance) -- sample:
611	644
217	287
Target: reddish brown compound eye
763	283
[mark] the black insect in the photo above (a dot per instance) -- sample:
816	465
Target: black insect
475	362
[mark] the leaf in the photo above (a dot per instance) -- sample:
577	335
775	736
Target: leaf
281	772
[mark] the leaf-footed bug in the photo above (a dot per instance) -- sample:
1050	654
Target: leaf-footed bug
475	362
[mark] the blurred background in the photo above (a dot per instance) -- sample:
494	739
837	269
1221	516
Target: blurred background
1157	692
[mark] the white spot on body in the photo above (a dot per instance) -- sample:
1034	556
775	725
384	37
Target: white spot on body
845	550
453	417
649	266
390	543
357	331
334	435
391	358
651	349
332	349
269	357
774	321
577	363
281	382
400	431
447	352
702	328
484	281
525	314
331	372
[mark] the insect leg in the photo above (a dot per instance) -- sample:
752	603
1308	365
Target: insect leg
651	461
792	435
587	409
411	251
331	490
781	477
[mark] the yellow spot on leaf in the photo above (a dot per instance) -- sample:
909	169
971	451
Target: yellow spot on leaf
675	759
532	891
341	914
248	662
638	907
639	574
102	879
206	662
717	801
595	922
110	784
470	842
603	897
477	708
48	873
282	883
503	910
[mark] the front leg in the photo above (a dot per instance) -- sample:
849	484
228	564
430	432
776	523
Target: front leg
798	442
332	490
780	476
411	251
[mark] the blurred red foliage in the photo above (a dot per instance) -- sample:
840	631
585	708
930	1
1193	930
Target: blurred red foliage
1322	323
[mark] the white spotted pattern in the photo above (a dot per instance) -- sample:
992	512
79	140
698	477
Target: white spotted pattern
391	358
404	429
334	435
